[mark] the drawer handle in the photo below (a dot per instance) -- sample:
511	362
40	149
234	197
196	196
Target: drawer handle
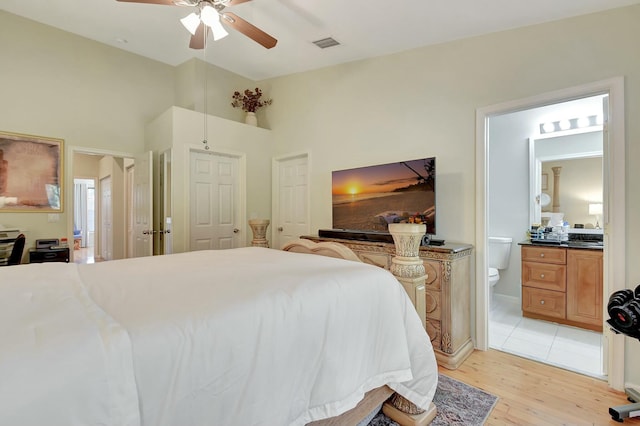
541	254
542	302
541	275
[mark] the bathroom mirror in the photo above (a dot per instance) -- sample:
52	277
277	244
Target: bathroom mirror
571	167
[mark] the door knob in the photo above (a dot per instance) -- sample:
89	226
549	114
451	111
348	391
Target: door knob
280	228
236	230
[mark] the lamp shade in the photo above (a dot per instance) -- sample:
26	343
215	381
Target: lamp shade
595	209
218	30
209	15
191	22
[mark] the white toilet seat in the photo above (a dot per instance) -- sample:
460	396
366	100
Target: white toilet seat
494	276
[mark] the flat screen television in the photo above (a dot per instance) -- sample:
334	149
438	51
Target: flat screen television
370	198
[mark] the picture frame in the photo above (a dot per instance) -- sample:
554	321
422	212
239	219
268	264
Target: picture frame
31	173
545	182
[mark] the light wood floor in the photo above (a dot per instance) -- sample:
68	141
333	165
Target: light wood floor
532	393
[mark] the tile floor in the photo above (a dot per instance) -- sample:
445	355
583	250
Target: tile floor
566	347
85	255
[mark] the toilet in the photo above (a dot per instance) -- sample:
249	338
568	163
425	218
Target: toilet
499	253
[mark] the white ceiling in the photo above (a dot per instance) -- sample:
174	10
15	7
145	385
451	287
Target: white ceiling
365	28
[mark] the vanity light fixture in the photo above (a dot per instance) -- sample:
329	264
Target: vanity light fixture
564	124
570	124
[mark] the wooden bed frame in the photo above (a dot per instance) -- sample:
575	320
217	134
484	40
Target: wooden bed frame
396	407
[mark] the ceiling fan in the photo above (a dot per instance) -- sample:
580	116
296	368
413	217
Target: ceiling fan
209	17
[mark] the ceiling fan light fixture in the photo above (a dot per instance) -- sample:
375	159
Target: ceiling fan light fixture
191	22
218	31
209	15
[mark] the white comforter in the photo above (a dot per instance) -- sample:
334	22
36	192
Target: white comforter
247	336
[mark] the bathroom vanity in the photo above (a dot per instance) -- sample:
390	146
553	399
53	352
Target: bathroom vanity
563	283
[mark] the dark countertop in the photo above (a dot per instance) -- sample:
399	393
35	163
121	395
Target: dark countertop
587	245
445	248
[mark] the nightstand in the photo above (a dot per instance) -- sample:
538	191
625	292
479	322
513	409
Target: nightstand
60	254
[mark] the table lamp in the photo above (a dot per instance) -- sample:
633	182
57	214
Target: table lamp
595	209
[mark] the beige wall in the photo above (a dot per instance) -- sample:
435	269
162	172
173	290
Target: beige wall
423	102
220	84
60	85
86	166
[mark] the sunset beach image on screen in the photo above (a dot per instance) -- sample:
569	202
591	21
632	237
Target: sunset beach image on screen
370	198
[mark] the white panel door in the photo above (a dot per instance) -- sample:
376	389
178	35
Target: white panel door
292	203
106	219
130	191
143	205
214	196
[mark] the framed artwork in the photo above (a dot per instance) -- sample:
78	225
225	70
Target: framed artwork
545	181
31	173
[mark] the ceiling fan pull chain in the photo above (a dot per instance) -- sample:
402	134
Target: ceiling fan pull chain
204	63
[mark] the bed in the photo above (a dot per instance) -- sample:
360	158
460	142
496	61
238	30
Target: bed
249	336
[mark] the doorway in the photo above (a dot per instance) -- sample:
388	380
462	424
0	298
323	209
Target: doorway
215	201
84	220
291	199
613	204
107	170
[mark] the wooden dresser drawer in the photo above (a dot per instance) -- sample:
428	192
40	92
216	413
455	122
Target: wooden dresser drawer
433	329
433	305
544	275
432	269
544	254
544	302
376	259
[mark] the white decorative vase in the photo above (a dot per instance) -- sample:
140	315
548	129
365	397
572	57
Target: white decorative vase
251	119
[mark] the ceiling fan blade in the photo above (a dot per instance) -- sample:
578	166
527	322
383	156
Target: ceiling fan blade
235	2
198	39
167	2
251	31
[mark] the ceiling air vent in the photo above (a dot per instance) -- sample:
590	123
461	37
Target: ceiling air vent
326	42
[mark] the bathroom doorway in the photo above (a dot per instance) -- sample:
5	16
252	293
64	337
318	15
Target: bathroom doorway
575	155
492	223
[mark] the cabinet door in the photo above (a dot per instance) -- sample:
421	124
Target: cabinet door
584	286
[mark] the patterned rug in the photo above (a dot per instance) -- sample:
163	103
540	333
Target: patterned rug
457	404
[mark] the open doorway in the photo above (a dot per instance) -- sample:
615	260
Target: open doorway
531	296
100	205
612	220
84	220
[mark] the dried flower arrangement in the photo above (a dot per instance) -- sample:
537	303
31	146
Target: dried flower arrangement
249	101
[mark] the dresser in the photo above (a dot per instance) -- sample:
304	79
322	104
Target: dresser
563	285
447	300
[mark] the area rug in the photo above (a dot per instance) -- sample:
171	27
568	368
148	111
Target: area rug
457	403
